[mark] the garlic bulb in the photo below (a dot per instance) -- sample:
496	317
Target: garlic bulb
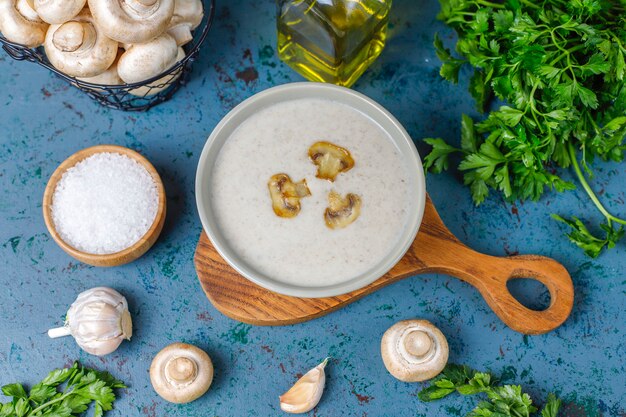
98	320
306	392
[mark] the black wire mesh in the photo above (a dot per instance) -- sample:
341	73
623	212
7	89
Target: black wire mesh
128	97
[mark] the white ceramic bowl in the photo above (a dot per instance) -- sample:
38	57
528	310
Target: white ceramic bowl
295	91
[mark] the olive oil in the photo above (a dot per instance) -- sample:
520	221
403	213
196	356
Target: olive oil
331	41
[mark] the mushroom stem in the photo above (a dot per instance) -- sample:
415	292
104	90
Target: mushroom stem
59	332
73	35
418	343
145	2
188	15
140	7
181	371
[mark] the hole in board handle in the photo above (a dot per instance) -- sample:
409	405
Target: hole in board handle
530	293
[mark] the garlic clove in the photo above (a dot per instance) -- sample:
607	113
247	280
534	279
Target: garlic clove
306	393
127	325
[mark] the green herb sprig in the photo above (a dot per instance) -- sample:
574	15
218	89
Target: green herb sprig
503	401
63	393
559	66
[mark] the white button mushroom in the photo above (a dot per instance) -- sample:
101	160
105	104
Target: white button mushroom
78	49
19	23
108	77
162	83
181	373
132	21
147	60
414	350
187	16
98	320
58	11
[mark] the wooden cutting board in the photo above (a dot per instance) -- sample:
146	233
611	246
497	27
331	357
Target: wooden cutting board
435	250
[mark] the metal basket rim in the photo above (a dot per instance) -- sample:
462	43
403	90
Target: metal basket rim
195	49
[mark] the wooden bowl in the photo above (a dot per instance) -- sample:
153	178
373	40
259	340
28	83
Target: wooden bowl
113	259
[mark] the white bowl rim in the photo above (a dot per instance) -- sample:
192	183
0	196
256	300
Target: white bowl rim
288	92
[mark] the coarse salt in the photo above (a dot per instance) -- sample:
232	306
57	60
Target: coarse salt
104	204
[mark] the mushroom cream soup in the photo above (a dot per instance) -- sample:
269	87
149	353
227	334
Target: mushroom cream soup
303	250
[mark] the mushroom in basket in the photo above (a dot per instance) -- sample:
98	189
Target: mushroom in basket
57	11
83	41
132	21
78	48
143	61
19	23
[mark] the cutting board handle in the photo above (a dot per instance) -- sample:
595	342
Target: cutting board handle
490	275
436	249
518	317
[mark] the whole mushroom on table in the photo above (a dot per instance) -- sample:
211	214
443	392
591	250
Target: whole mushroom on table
414	350
181	373
109	42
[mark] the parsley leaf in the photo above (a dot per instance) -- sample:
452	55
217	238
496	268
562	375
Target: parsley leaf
79	387
451	66
504	400
58	376
469	139
14	390
584	239
437	160
551	409
451	378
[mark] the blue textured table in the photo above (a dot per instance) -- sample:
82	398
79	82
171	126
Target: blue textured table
43	120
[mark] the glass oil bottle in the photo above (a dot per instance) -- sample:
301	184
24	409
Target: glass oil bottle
331	41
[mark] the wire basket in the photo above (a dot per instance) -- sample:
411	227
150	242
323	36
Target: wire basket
128	97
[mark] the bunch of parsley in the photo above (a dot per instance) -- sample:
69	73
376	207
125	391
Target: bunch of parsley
63	393
559	67
504	401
